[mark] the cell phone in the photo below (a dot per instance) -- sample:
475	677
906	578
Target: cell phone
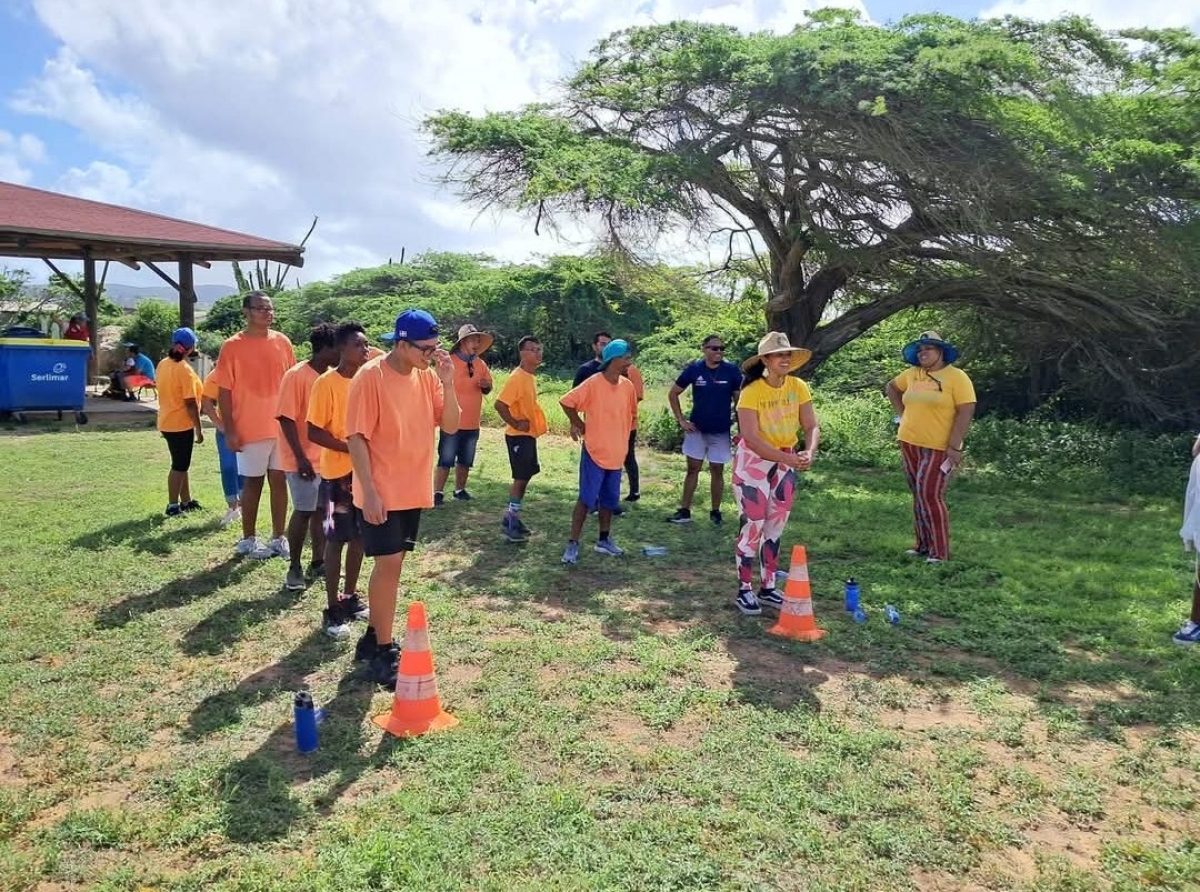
947	468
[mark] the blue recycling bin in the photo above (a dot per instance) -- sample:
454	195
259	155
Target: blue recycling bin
43	374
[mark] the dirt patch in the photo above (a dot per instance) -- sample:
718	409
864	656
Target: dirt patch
110	798
461	675
1080	847
935	881
934	717
10	766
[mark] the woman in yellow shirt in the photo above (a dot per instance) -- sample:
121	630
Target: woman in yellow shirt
772	408
179	418
935	403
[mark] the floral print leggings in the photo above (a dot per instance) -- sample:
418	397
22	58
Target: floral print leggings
764	491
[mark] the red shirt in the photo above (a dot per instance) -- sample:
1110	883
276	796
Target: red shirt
77	331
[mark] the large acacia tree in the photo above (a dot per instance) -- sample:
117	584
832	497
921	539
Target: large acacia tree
1045	171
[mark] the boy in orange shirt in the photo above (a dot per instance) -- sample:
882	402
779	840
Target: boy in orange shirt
517	406
298	455
609	402
179	418
472	382
249	373
327	428
395	404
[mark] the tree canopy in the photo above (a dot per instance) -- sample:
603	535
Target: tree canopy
1047	173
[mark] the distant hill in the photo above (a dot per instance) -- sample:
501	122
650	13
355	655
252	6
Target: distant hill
129	295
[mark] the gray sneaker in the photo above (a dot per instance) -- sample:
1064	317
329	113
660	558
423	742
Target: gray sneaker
295	581
609	547
571	554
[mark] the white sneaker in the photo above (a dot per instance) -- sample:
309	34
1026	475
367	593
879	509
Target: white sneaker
234	513
279	548
246	546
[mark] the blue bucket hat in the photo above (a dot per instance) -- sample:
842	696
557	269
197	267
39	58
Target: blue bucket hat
184	337
413	325
614	350
933	339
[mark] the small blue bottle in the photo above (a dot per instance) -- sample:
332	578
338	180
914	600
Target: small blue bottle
859	615
893	615
851	595
654	550
306	722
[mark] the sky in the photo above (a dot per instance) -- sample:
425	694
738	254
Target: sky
258	115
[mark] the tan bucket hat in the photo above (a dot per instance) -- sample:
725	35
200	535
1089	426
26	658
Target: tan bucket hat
485	339
777	342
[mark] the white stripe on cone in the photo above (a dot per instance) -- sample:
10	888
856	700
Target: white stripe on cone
416	687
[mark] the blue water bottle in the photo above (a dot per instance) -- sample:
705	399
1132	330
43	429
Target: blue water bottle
306	722
893	615
851	595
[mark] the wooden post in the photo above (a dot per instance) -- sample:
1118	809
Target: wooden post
91	309
187	293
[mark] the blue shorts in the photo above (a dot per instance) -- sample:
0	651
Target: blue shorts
598	488
457	448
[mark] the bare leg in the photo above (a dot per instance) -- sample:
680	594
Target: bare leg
382	591
717	475
690	479
252	488
439	478
279	502
461	473
577	518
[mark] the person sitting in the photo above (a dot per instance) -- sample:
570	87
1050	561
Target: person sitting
138	372
77	329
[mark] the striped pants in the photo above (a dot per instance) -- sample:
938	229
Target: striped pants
764	491
931	520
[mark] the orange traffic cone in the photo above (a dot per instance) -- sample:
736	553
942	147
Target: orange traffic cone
796	618
416	708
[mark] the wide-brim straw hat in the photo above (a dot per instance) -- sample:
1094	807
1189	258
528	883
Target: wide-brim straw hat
933	339
777	342
485	339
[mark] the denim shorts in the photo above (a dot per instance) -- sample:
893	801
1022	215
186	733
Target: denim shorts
457	449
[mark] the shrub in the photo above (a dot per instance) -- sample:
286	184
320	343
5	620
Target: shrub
151	327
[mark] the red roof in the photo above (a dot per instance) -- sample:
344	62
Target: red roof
35	223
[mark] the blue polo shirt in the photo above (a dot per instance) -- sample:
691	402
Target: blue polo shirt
144	365
713	394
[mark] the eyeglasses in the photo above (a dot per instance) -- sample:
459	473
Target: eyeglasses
425	351
715	348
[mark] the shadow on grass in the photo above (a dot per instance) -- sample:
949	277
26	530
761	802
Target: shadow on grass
156	534
221	629
256	792
175	593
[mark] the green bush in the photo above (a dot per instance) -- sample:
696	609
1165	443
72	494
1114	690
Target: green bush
151	327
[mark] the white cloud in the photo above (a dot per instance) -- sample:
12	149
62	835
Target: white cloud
1106	13
255	116
17	152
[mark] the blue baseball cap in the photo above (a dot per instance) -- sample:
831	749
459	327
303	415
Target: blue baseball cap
185	337
413	325
614	350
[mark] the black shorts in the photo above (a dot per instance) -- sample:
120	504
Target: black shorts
336	501
522	456
180	444
396	534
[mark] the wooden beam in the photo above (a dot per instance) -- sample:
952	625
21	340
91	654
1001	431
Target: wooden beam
65	280
91	306
162	275
187	293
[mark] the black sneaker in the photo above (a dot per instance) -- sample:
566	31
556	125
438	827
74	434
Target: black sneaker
633	497
191	505
439	499
461	495
354	608
315	570
682	515
366	646
384	664
173	511
747	603
770	597
716	518
335	623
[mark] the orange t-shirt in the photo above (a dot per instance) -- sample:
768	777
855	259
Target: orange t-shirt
327	410
294	391
609	410
519	393
466	388
177	383
251	369
397	415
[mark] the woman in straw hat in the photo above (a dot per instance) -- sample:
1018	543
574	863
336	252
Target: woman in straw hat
935	403
772	408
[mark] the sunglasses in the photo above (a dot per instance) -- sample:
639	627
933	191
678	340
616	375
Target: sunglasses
425	351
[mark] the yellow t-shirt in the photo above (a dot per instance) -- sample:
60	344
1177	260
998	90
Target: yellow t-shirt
778	409
177	383
327	410
519	393
930	401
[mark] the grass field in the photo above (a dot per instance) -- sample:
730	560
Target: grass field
1027	726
